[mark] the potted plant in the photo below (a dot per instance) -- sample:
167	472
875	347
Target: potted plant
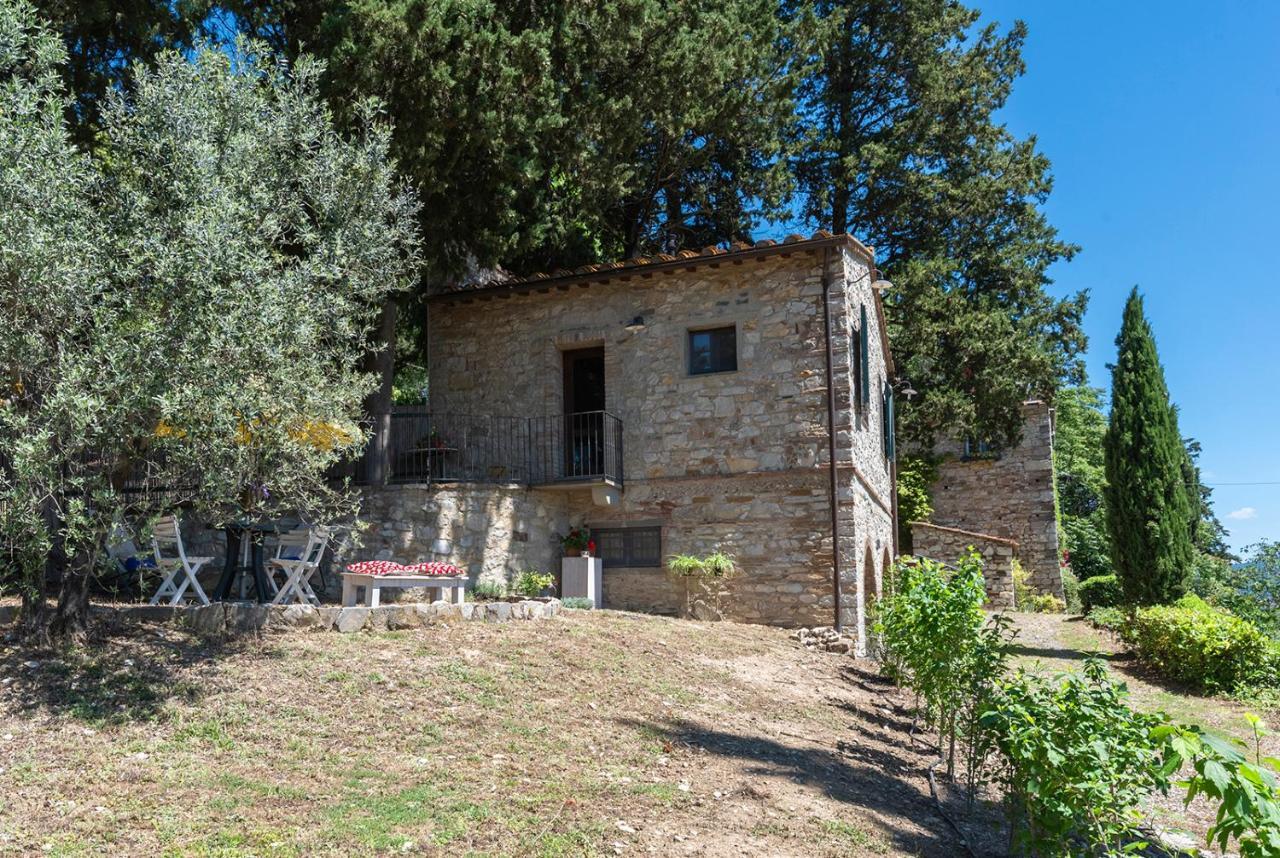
578	542
705	582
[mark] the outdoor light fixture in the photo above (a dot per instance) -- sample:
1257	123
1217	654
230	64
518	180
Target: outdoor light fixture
881	285
441	546
636	324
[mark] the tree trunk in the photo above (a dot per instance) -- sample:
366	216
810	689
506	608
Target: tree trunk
34	622
378	405
71	617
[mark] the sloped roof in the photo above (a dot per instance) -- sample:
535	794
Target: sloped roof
500	284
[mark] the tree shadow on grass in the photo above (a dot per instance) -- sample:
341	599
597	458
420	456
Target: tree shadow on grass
126	671
1059	653
868	775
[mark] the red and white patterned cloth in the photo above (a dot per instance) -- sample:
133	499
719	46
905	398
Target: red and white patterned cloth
435	567
390	567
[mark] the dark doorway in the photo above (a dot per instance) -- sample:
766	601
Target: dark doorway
584	413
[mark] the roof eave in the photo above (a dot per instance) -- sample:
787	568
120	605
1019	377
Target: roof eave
583	279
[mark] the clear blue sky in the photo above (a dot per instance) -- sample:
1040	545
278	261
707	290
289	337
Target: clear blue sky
1163	125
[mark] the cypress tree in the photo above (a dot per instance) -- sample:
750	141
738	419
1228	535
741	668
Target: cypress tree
1148	504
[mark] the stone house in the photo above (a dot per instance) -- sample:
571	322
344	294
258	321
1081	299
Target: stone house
736	399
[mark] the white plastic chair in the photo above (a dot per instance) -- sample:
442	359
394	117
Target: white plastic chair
168	534
298	555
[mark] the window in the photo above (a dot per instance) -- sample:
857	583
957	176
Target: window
975	449
629	546
713	350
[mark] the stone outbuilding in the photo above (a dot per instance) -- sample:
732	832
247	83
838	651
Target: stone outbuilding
736	399
1004	499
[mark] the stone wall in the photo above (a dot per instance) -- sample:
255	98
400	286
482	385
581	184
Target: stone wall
493	532
947	544
772	523
736	460
1008	494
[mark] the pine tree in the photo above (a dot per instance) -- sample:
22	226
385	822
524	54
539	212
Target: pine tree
905	148
1148	503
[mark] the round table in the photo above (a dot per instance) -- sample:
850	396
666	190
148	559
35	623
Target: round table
237	532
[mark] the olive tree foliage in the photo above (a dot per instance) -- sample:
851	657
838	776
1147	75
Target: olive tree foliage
50	282
212	343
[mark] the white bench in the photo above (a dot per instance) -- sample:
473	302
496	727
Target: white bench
451	588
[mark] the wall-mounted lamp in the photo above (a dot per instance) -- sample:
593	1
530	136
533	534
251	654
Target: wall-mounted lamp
881	285
441	546
636	324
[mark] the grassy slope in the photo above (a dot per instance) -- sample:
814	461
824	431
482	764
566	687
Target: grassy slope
594	734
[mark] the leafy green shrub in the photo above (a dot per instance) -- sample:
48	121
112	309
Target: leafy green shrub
1202	646
1101	591
940	645
1027	599
1071	591
916	476
1250	589
1111	619
715	565
1247	792
531	582
580	603
487	591
1075	760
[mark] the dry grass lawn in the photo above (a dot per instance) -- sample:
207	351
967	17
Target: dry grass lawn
596	733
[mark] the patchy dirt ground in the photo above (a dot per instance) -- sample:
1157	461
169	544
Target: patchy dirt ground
598	733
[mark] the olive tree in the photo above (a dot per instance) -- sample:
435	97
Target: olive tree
50	281
240	248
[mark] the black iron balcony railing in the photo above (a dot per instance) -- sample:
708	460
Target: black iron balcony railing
424	446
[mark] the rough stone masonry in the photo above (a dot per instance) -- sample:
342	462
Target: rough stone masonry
734	460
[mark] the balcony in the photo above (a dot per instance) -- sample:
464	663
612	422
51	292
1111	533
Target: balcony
553	451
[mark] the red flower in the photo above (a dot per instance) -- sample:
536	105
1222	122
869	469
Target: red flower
591	546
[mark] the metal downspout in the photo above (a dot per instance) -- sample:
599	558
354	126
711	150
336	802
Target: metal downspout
831	432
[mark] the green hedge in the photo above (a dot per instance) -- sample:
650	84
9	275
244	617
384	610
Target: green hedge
1100	591
1202	646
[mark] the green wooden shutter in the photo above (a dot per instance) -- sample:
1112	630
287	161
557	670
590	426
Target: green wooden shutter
887	415
863	351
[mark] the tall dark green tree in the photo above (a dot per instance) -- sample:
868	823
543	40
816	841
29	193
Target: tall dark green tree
1149	505
552	133
1081	479
1208	534
901	147
104	38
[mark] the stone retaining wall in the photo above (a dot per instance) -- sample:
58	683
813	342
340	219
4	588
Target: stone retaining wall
947	544
235	618
494	532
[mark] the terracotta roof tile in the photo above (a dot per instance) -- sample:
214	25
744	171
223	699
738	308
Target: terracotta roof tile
635	262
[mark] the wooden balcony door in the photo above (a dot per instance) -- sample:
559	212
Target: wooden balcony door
584	405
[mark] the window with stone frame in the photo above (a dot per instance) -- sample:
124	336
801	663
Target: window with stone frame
713	350
630	547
